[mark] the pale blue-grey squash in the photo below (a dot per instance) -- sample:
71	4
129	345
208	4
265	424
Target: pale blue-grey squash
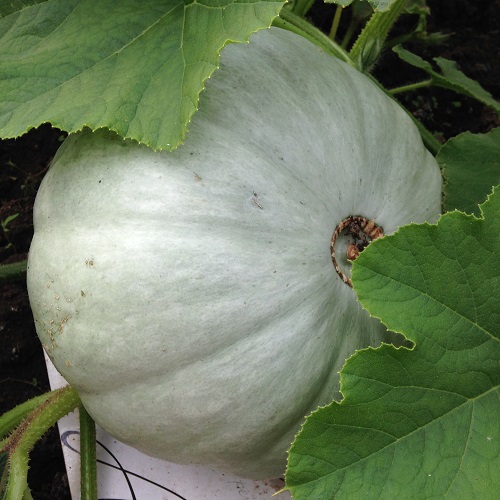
190	296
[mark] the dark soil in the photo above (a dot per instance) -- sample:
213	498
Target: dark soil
474	29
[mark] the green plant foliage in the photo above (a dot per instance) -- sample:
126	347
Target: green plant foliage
378	5
420	423
136	67
7	8
36	416
5	223
450	77
471	166
12	272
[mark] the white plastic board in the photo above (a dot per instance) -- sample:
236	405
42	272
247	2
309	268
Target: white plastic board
123	473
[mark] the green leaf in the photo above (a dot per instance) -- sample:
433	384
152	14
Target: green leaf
378	5
450	78
135	66
11	6
12	272
420	423
471	167
5	223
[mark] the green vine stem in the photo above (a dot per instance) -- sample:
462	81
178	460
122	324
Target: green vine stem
14	417
29	431
291	22
88	470
301	7
336	22
13	272
367	48
411	86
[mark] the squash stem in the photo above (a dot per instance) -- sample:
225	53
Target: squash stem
29	431
410	87
336	22
291	22
13	418
361	231
301	7
88	461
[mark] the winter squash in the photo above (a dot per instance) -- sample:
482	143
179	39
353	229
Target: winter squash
190	296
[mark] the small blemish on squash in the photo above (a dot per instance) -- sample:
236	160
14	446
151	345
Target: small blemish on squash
255	201
63	322
89	262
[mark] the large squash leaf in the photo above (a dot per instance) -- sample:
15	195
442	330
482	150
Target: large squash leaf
420	423
7	8
134	66
471	166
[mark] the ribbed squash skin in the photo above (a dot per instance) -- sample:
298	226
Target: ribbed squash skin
190	296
